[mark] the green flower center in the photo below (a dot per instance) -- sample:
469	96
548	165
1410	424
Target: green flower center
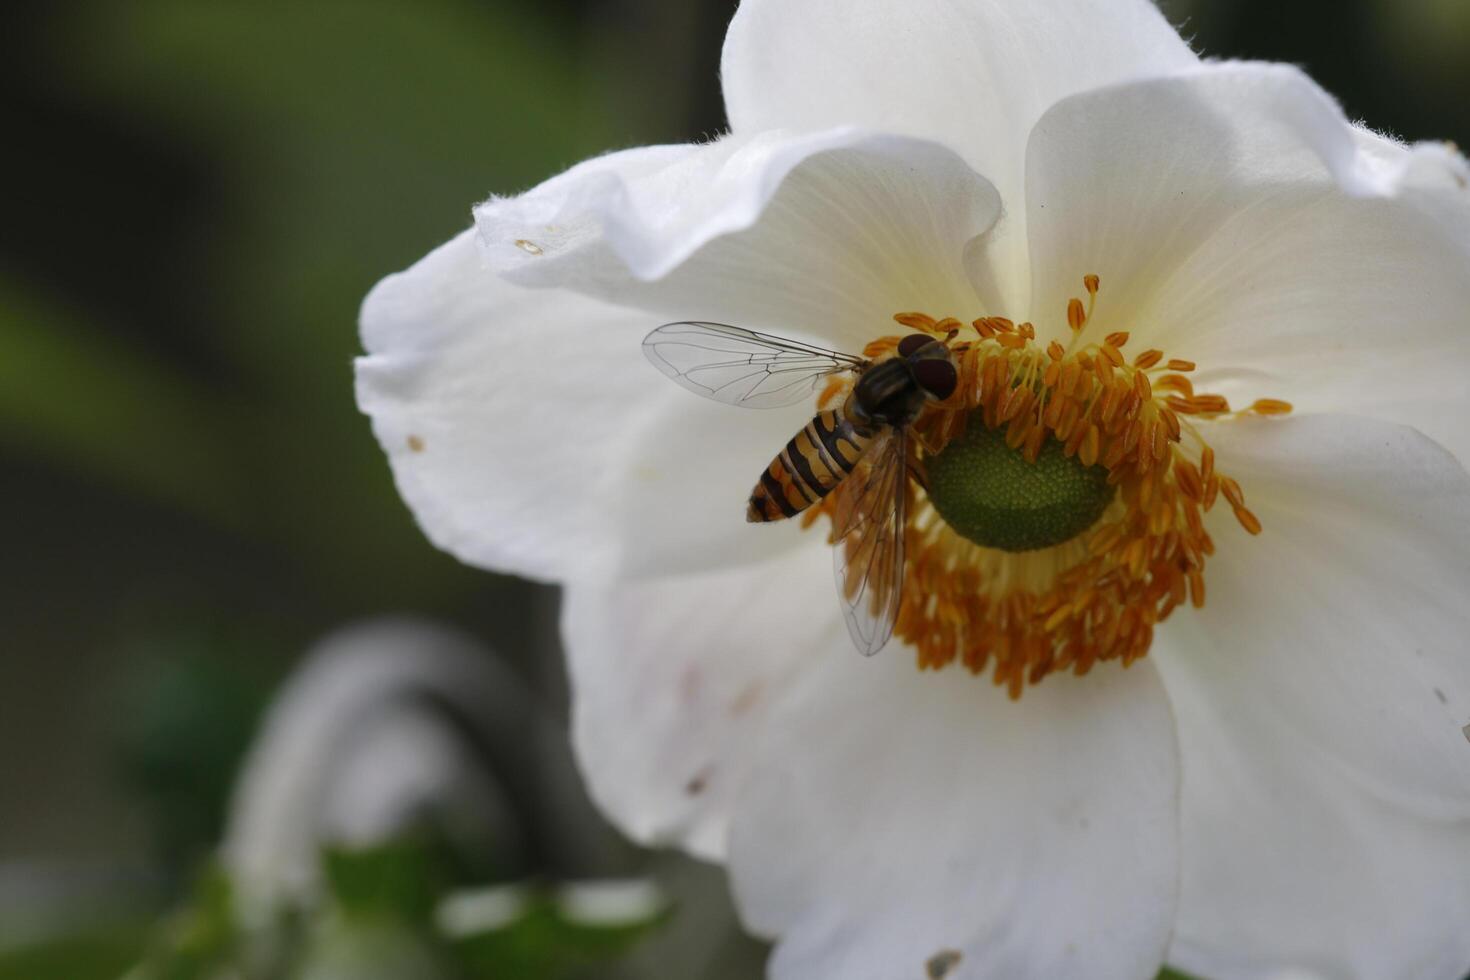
987	491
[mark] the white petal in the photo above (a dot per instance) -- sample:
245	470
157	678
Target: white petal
1298	877
895	817
827	234
525	429
529	435
672	677
1320	696
974	75
1347	616
1237	220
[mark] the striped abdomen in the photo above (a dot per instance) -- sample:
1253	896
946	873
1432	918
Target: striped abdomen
816	459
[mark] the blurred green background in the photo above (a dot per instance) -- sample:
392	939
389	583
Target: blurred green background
198	195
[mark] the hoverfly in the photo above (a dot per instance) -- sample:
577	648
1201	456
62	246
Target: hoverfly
865	443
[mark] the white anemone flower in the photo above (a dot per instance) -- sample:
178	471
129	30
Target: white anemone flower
1277	783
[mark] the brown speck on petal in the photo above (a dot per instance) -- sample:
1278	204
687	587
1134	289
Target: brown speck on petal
941	963
529	247
698	782
416	444
747	699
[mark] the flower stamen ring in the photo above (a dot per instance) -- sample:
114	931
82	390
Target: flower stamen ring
1060	513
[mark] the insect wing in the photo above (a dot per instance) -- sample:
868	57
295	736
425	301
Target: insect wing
742	367
868	523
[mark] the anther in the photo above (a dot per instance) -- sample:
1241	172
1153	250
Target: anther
1076	317
1248	520
916	321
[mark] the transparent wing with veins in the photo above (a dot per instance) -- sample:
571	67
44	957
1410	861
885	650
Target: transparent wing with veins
868	529
741	367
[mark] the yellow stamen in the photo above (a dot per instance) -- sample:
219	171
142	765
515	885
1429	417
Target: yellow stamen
1022	615
1270	406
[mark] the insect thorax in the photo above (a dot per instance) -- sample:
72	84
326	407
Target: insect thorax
886	394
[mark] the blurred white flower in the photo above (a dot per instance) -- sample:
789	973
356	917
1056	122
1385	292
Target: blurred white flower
1281	784
384	731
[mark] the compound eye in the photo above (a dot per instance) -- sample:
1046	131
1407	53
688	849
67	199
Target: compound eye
936	377
914	342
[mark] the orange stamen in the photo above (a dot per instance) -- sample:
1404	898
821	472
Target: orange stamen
1025	615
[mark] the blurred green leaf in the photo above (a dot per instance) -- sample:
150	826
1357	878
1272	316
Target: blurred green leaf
99	954
185	718
70	393
347	140
388	914
542	941
376	947
398	880
201	941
